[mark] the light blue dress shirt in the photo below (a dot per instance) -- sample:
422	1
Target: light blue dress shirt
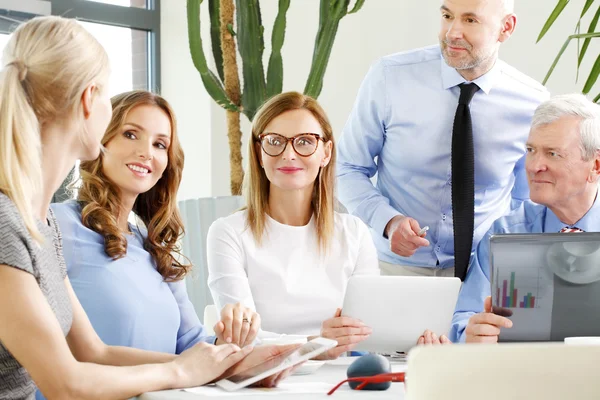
126	300
401	129
528	218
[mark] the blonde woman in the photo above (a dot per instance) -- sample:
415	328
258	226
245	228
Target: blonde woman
289	255
54	108
127	277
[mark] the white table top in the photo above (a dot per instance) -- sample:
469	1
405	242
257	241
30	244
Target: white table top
331	373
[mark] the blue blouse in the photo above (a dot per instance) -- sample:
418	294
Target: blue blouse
126	300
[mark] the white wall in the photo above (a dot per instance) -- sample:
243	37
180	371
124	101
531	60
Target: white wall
182	87
381	27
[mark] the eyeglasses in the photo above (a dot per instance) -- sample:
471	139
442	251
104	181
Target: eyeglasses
304	144
365	380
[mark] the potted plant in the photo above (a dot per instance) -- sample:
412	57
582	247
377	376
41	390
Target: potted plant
245	35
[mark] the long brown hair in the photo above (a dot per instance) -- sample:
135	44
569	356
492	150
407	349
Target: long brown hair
157	208
256	183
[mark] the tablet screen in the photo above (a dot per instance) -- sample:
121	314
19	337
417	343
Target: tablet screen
547	284
287	359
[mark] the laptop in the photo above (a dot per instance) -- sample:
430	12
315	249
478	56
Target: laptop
549	283
548	371
400	308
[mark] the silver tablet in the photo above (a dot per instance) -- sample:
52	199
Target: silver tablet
549	284
400	308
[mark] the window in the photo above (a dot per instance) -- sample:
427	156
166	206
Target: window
124	3
129	30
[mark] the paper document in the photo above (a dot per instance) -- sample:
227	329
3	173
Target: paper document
283	388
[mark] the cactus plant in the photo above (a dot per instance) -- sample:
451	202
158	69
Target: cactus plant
247	35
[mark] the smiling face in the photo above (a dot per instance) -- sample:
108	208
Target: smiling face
137	155
471	32
289	170
556	170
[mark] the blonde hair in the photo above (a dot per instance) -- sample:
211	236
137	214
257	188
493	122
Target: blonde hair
47	65
256	183
157	208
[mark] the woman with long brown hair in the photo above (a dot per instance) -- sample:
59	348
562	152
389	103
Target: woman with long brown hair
289	255
128	276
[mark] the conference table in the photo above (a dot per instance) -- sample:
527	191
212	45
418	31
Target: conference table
310	386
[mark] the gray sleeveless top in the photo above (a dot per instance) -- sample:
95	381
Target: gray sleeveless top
46	263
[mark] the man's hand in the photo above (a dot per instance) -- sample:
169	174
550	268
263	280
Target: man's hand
403	232
485	327
429	337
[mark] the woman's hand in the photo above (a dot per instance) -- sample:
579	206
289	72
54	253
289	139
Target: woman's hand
205	362
238	325
429	337
348	332
264	354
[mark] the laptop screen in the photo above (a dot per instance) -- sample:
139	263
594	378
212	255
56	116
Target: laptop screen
548	282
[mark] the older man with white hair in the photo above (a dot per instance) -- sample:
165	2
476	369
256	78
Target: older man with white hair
563	167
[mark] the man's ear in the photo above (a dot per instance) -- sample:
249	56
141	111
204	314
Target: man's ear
87	98
595	171
508	27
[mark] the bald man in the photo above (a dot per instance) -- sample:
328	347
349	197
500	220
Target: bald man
452	166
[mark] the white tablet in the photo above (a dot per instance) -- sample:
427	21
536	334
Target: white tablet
400	308
276	364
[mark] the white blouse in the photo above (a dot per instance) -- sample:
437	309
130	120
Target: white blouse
286	280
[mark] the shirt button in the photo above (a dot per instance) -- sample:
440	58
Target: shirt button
443	217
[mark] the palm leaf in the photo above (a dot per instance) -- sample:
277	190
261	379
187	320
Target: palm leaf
591	80
586	42
560	6
564	47
586	7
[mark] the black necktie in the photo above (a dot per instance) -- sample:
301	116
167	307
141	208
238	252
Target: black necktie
463	181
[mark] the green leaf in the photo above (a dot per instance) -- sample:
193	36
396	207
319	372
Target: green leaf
586	7
275	69
251	47
555	13
591	80
214	7
211	82
329	22
597	98
231	30
586	42
564	47
358	5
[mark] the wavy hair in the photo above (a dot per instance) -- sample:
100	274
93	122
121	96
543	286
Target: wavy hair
47	65
256	183
157	208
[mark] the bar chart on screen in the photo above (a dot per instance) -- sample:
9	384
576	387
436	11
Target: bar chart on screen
509	294
527	291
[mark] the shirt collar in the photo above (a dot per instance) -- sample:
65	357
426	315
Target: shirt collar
451	77
587	223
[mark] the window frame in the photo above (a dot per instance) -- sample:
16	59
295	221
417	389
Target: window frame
146	19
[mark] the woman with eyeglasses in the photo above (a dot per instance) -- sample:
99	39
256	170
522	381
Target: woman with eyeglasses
288	255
